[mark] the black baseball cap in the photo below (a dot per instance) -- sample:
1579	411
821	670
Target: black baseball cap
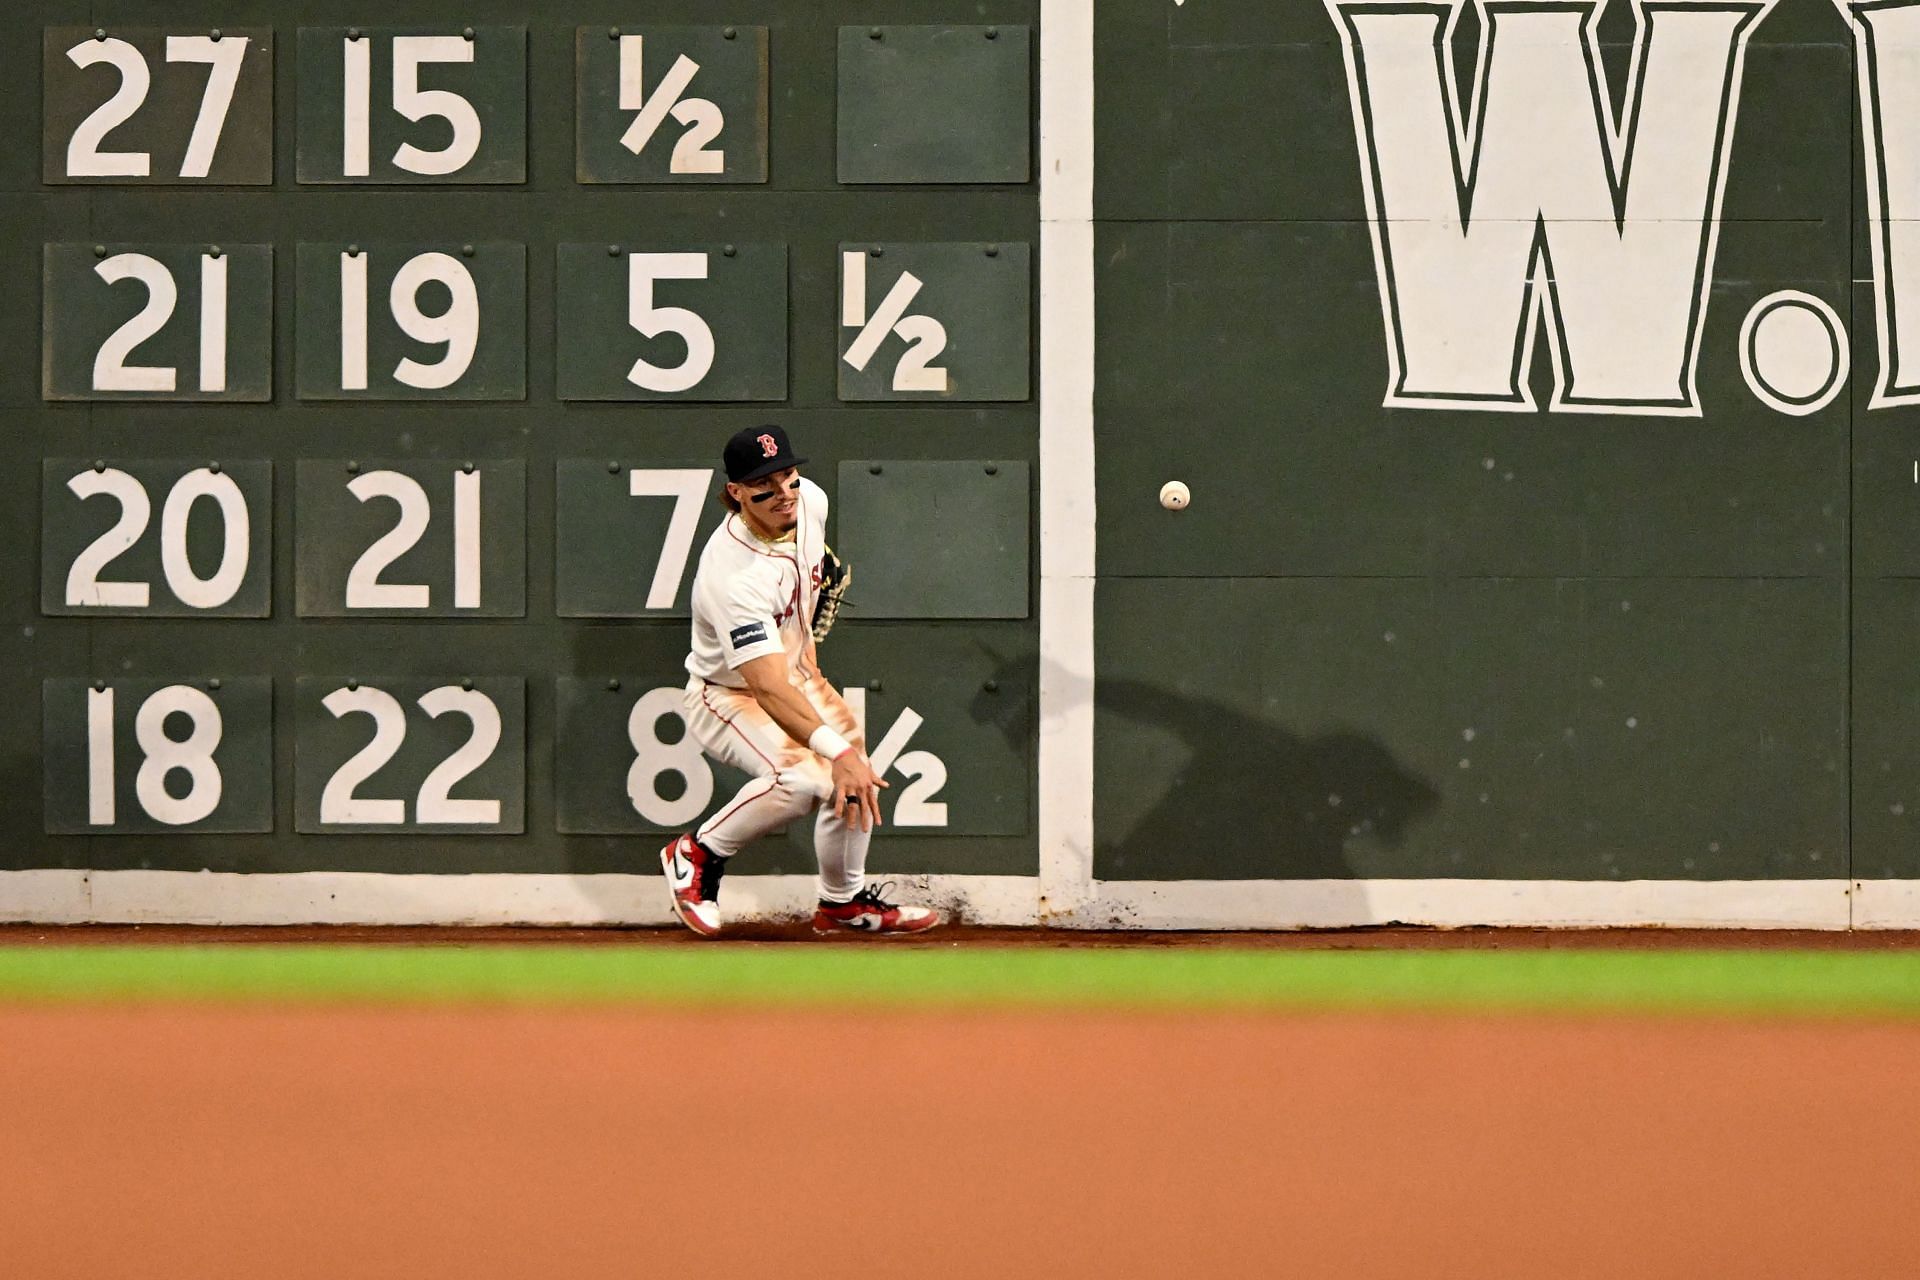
754	452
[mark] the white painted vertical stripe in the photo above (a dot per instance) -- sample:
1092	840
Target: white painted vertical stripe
1066	455
633	86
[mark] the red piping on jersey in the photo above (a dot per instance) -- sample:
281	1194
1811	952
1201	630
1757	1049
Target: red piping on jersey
760	551
712	824
800	502
737	729
794	559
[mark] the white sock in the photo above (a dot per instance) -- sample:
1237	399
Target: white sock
842	851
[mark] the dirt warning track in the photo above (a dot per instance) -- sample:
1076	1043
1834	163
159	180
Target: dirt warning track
181	1141
1383	938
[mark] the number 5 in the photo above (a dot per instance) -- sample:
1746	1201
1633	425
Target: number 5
642	270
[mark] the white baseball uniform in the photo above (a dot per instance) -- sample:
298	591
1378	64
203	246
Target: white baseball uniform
752	598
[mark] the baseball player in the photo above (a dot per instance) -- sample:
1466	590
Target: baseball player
756	699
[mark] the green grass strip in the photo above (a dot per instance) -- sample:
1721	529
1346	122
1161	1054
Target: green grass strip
1822	983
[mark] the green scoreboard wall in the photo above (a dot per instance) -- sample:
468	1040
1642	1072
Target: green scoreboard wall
1559	461
1543	375
382	376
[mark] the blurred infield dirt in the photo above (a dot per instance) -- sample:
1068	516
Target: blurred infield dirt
183	1141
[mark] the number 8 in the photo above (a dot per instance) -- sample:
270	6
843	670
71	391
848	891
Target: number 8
652	757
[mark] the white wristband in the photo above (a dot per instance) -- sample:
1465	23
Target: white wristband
828	743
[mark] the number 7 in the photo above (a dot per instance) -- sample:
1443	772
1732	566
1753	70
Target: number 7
226	56
686	486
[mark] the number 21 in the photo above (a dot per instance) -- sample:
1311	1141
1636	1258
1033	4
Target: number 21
111	372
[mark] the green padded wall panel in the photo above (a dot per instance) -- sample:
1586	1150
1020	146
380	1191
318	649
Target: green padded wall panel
160	140
934	104
935	539
699	113
572	602
365	114
1506	728
158	757
203	548
1247	359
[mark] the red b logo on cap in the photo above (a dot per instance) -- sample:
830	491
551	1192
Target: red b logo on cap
767	447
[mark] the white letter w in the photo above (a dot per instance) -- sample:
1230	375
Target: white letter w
1536	208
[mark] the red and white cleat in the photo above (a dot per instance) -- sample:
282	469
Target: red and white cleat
869	912
693	877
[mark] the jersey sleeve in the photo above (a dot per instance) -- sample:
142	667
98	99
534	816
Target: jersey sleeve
747	629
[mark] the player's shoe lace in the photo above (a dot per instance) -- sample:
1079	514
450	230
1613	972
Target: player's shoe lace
706	877
874	896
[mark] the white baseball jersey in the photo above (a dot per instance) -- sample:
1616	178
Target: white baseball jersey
752	598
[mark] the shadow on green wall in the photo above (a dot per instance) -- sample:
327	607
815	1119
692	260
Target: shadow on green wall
1244	797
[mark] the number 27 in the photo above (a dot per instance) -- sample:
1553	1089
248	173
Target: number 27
85	159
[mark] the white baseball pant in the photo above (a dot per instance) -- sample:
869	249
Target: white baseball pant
788	780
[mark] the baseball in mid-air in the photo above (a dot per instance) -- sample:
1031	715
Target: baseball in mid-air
1174	496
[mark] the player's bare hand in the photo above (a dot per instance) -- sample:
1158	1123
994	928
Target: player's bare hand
856	791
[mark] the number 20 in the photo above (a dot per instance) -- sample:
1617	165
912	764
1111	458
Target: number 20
84	587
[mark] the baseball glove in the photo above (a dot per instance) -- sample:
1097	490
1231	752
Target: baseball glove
836	575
